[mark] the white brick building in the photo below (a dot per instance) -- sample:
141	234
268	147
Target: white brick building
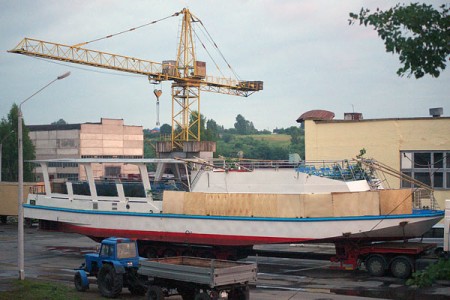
108	139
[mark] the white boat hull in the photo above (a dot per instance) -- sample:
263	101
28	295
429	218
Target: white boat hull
232	231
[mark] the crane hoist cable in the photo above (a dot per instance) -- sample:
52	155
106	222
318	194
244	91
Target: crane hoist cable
218	50
209	54
125	31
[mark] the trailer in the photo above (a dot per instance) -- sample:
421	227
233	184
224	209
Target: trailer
400	258
197	278
117	265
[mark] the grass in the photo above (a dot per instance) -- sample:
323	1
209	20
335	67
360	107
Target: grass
35	289
280	140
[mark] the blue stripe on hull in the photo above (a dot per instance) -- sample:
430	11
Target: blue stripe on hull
415	214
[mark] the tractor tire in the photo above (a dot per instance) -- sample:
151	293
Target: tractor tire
241	293
154	292
136	283
79	283
202	296
187	293
110	283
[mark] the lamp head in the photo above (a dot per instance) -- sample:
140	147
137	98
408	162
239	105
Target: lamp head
63	75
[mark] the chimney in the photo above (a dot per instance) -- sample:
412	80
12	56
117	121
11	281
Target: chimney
353	116
436	112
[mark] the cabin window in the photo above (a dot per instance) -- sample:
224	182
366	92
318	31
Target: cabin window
107	250
430	167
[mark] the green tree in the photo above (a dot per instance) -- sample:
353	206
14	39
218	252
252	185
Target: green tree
165	129
59	122
418	33
8	131
212	130
244	126
193	120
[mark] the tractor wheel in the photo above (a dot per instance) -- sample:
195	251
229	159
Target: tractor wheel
202	296
241	293
187	293
79	283
109	283
154	292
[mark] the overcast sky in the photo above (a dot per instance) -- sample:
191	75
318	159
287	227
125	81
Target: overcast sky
304	51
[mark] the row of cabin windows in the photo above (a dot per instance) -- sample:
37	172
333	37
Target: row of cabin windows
430	167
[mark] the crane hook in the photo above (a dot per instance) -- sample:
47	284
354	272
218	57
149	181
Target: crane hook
157	93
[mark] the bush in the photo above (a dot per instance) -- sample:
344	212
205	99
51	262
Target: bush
437	271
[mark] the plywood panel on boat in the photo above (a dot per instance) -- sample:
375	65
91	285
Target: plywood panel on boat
356	204
173	202
290	206
217	205
345	204
239	205
369	203
264	205
221	204
318	205
395	202
195	204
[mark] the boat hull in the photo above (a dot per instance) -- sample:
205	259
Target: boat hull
233	231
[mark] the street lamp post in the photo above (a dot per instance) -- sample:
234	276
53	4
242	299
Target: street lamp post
20	229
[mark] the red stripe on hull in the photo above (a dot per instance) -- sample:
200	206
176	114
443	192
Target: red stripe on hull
177	237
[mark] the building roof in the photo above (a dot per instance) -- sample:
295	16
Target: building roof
316	114
383	119
53	127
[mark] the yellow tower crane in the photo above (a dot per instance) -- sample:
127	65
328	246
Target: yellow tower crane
188	75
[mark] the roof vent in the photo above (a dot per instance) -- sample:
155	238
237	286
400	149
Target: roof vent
436	112
353	116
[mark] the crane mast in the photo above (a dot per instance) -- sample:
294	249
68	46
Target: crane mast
186	93
188	75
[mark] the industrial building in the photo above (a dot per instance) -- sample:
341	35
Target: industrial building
418	147
109	138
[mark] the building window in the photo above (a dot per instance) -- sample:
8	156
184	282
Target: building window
58	164
112	171
429	167
68	176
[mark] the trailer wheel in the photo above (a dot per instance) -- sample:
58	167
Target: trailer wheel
109	283
79	283
376	265
154	292
401	267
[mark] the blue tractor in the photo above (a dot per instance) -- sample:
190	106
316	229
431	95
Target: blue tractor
115	267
